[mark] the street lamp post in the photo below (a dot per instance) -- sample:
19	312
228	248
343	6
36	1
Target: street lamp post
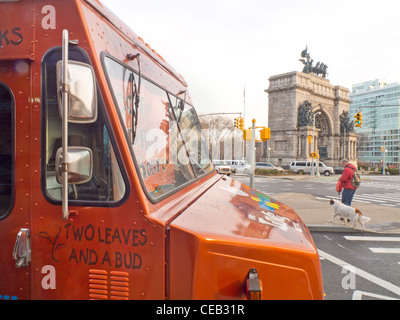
314	146
384	158
252	153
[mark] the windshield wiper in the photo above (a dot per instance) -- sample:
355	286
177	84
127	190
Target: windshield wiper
181	104
135	94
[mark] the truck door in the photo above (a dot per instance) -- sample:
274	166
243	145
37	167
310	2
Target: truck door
15	273
106	248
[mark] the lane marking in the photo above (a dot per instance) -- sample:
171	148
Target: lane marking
366	238
357	295
385	250
378	281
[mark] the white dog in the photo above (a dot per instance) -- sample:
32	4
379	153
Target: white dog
348	213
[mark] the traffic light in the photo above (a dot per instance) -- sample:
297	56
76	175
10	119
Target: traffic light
247	134
241	123
236	122
314	155
309	139
265	134
358	121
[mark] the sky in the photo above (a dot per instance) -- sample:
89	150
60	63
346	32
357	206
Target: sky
223	47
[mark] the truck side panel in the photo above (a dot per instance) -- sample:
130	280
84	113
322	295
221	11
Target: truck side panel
107	249
15	187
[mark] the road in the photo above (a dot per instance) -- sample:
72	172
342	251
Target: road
359	266
355	265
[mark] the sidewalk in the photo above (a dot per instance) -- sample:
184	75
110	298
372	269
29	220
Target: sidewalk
316	213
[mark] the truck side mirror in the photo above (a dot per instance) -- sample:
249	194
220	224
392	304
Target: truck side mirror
79	166
81	88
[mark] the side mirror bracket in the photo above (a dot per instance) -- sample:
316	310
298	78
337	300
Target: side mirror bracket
77	100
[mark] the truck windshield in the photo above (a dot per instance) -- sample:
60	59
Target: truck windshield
191	132
169	153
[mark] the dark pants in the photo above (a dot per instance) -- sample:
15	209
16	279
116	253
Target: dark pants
347	196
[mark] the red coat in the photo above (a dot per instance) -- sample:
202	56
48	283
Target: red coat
347	175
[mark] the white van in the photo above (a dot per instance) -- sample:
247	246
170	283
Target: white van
302	167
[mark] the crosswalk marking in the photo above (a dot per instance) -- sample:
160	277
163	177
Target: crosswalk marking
392	197
385	250
363	201
367	238
367	198
330	197
384	199
325	198
384	196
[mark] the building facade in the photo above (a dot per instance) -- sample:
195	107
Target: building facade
379	136
289	96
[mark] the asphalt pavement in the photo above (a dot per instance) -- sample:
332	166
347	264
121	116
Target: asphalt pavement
359	266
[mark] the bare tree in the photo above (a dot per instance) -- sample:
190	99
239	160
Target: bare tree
221	135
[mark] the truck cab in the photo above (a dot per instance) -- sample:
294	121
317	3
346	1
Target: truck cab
107	189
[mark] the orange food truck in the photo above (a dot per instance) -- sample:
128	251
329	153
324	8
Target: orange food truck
107	190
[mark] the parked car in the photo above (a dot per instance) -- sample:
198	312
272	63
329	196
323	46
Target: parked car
338	170
240	166
268	166
222	167
302	167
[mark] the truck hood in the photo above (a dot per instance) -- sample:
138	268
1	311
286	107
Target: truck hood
230	209
233	228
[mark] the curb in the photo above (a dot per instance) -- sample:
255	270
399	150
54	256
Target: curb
332	228
344	229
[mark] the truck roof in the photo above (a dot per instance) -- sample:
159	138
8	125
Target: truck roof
134	38
19	38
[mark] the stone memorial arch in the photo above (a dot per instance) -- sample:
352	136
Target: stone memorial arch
294	98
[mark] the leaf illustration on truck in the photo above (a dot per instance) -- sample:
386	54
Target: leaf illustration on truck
54	244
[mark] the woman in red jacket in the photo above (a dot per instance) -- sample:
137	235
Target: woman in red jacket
345	182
